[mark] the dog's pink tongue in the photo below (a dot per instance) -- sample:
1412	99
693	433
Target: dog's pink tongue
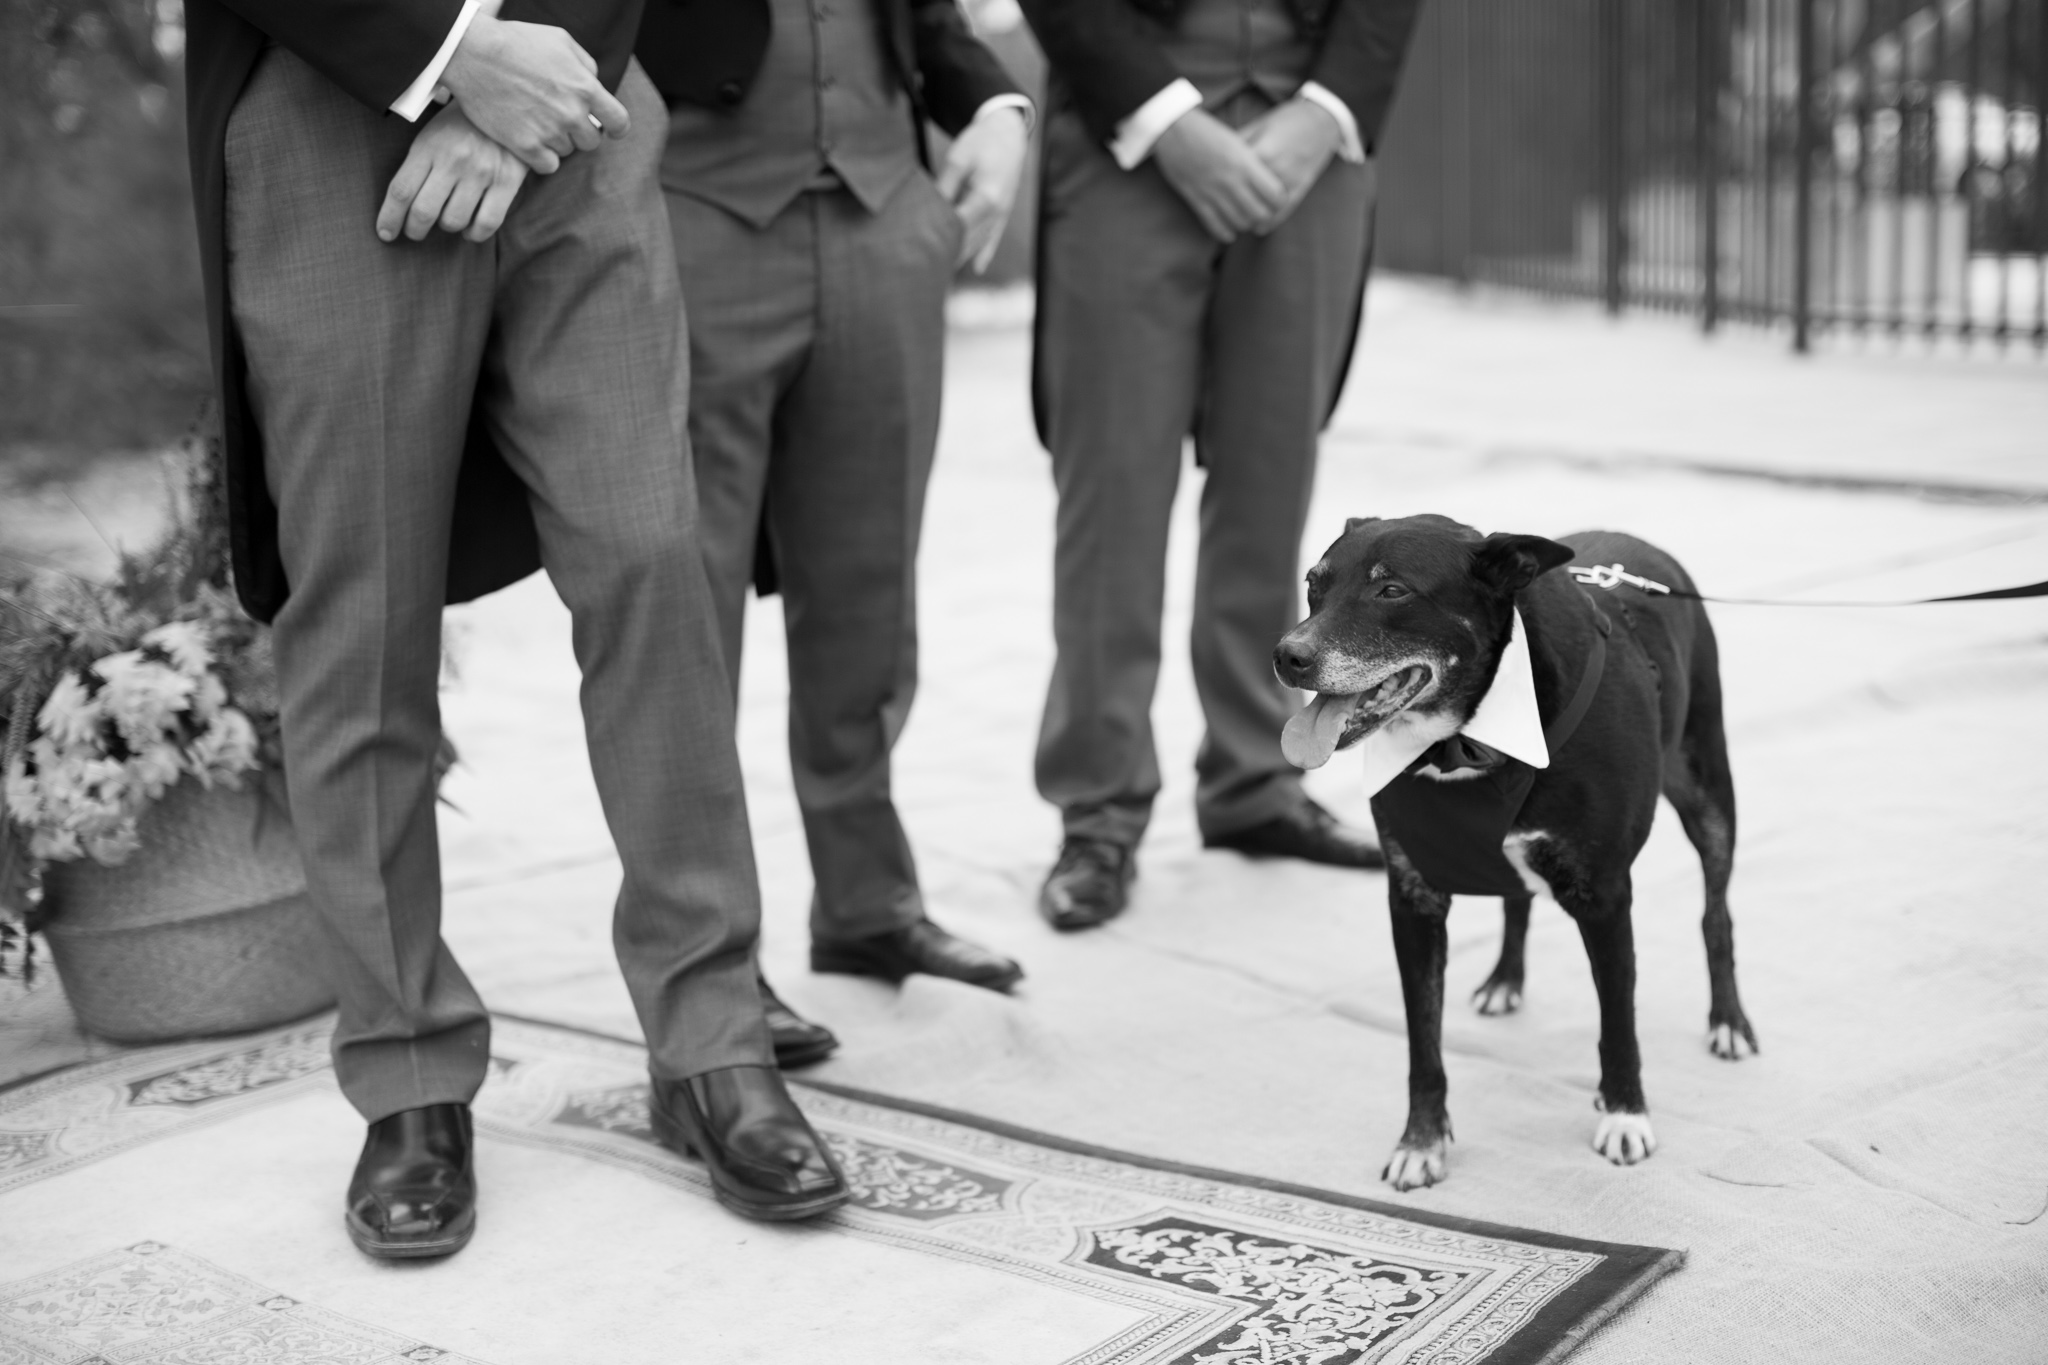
1311	737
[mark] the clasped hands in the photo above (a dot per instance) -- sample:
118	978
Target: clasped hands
1251	179
524	97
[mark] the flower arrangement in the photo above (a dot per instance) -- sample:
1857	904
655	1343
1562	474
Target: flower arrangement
112	693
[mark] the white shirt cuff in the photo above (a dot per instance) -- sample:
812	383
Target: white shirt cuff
1021	103
1149	122
426	88
1348	144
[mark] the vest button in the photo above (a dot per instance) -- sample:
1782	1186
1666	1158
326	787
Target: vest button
730	92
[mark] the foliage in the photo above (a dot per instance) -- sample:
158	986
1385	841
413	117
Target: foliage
110	693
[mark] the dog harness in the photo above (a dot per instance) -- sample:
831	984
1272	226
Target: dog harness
1452	831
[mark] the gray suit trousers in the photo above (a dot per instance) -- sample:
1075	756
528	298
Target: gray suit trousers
365	360
1150	330
817	345
816	357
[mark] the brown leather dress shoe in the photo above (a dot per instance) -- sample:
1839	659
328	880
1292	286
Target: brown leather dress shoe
1089	885
920	947
798	1041
1308	832
414	1190
765	1159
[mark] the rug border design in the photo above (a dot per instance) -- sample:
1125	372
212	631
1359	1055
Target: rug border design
244	1303
1625	1271
218	1111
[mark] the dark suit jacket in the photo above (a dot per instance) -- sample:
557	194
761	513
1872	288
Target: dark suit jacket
1108	53
707	52
373	49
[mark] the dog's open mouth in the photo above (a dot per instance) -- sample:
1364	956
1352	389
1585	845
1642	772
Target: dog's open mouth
1338	720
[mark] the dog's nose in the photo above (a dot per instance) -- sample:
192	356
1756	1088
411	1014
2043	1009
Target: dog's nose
1292	659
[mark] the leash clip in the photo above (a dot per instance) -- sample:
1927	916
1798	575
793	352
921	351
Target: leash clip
1612	576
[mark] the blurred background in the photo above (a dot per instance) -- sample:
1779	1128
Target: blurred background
1866	166
102	334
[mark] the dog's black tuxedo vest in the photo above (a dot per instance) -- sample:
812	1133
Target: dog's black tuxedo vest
1452	831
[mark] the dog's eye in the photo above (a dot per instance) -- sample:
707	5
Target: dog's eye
1392	590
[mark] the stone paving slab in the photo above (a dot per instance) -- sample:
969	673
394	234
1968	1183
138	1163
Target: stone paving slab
1505	373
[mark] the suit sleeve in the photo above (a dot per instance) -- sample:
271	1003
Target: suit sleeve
373	49
959	73
1361	55
1106	53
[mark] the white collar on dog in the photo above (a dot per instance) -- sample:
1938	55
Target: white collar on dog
1505	719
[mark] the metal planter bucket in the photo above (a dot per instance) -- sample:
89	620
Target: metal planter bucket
206	929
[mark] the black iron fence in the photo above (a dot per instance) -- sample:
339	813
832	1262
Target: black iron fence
1867	166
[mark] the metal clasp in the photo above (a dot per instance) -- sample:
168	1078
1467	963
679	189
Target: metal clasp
1612	576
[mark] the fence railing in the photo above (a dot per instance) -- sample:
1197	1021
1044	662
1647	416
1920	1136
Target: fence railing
1866	166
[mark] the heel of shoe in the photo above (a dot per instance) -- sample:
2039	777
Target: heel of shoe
853	960
668	1132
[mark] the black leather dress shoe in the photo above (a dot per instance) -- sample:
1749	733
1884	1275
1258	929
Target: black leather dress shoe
798	1041
414	1190
765	1159
1088	885
1308	832
920	947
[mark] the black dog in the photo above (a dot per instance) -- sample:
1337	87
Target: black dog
1421	630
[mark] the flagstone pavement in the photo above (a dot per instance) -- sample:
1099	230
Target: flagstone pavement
1872	1187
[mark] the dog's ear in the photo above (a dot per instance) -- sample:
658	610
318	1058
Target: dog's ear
1508	563
1353	523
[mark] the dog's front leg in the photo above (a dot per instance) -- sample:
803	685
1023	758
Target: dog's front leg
1501	992
1624	1135
1419	912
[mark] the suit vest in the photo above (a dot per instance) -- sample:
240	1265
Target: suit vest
1227	47
824	109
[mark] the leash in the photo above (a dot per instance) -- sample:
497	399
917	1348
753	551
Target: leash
1612	576
1559	732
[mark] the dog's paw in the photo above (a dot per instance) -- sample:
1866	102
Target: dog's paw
1414	1168
1497	997
1625	1139
1726	1040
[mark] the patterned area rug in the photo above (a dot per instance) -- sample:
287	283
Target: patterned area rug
181	1204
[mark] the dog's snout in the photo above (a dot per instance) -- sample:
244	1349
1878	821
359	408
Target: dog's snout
1293	657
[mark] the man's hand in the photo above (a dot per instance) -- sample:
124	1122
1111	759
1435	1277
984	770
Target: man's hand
454	176
1229	187
980	177
1297	139
533	90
